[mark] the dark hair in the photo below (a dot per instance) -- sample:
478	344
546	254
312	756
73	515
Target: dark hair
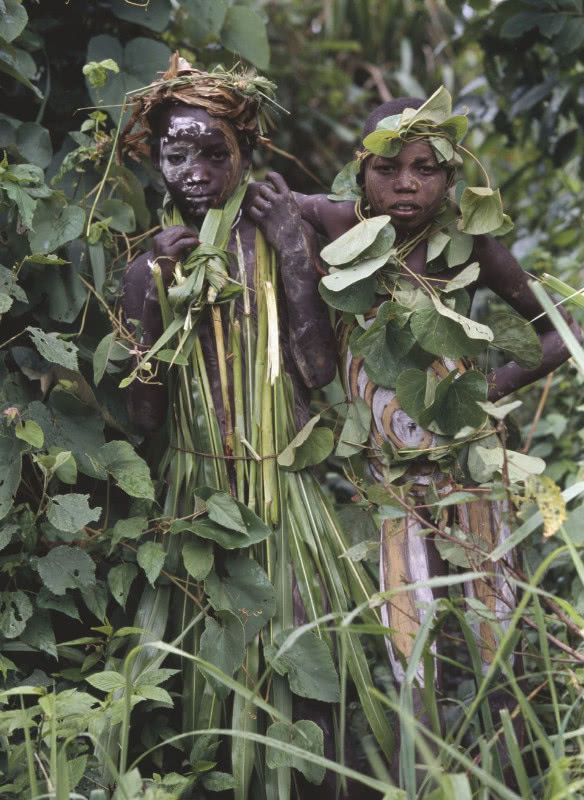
389	109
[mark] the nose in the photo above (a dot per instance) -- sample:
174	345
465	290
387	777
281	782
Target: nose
200	173
406	181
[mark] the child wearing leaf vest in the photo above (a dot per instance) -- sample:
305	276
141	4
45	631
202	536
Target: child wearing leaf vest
404	264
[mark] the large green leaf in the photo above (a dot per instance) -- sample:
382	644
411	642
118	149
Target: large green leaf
54	349
308	663
310	446
155	14
203	20
151	556
482	210
356	299
444	335
13	19
244	588
120	579
66	568
54	225
71	512
355	241
197	557
456	401
223	645
516	336
356	429
414	392
229	537
34	144
244	32
15	611
129	471
342	279
304	734
69	424
139	61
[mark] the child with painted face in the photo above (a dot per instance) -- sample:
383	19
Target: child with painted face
413	262
203	148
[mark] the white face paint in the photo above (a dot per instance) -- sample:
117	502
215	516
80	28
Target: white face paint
195	161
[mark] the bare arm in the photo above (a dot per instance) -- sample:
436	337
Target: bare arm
501	273
272	207
328	218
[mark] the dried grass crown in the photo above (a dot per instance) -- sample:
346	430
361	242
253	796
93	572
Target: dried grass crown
237	96
481	207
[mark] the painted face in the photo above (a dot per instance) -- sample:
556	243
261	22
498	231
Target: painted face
199	158
410	187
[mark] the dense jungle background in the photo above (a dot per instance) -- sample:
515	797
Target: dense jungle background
81	538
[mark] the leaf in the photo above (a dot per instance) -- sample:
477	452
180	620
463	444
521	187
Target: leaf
10	468
310	446
224	510
436	244
121	215
243	588
255	529
138	61
467	276
342	279
71	512
223	645
437	108
455	404
244	32
484	462
355	429
499	411
130	528
411	390
518	337
459	249
155	14
198	558
54	349
355	241
482	210
151	556
443	149
383	142
345	186
120	579
15	611
308	663
39	633
34	144
101	357
13	19
356	299
219	781
64	604
304	734
30	432
129	471
54	225
473	329
66	568
203	20
107	681
444	336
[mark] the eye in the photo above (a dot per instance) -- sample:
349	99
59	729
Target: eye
385	168
175	158
219	155
428	169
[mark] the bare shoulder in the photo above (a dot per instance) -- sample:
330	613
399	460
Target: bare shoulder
327	217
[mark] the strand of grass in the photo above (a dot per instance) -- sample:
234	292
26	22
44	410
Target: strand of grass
29	750
575	348
576	296
296	752
502	651
545	650
238	399
223	378
107	171
244	719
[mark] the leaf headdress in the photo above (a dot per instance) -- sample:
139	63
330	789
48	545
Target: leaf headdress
240	97
481	207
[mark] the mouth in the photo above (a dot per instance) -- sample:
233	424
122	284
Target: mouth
404	209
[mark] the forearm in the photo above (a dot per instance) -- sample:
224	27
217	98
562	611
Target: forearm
311	335
510	377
